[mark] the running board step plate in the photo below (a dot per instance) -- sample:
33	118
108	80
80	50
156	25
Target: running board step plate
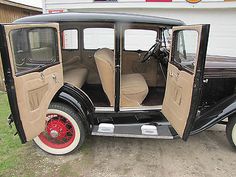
133	130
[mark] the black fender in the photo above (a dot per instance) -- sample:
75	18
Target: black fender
78	99
212	115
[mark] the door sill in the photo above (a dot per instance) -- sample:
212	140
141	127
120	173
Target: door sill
129	109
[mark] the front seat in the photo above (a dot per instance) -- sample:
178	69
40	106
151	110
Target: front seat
134	88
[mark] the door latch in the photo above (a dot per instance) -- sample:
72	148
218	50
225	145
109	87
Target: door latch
205	81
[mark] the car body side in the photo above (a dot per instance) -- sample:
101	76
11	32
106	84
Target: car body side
218	98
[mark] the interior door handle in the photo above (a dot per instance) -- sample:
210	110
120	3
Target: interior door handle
173	75
54	77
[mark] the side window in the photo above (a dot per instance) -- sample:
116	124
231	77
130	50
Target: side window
185	50
138	39
70	39
34	47
95	38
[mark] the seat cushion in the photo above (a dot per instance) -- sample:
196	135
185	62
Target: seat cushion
134	87
76	76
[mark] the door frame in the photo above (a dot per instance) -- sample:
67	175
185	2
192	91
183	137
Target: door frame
9	83
9	71
198	80
185	123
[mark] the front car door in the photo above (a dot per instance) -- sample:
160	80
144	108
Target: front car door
31	57
185	76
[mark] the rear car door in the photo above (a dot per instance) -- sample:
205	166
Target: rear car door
185	76
32	64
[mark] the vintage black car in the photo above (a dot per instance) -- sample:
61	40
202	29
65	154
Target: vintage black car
70	75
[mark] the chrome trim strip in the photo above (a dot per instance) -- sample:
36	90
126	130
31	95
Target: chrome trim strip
131	136
126	109
104	109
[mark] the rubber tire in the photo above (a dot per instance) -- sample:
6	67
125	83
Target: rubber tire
231	132
76	117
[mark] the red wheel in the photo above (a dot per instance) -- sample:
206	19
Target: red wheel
64	130
59	132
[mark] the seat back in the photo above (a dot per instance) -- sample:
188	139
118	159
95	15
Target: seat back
104	59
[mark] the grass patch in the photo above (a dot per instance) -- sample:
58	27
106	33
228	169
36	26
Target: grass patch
10	144
26	160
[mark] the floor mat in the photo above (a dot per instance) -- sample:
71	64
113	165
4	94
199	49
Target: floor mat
155	96
97	95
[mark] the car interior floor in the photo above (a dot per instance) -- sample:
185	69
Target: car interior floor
155	96
97	95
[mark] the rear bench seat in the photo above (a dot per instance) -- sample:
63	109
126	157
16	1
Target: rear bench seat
76	76
74	73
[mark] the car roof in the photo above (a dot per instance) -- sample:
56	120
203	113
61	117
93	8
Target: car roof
100	17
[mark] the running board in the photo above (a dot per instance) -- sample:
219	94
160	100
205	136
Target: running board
133	130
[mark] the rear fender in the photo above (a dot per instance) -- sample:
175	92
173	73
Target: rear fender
79	100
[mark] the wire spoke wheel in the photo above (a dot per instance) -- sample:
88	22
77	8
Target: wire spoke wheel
64	130
59	132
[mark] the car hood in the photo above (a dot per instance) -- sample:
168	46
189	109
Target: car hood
220	67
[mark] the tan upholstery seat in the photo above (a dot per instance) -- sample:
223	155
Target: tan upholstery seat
134	88
76	76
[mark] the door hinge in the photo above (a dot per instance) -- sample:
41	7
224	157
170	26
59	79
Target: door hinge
10	120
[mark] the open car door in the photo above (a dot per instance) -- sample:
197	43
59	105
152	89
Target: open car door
185	76
31	57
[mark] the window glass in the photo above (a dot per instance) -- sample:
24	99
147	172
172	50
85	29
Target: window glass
95	38
34	39
167	33
186	48
70	39
34	47
137	39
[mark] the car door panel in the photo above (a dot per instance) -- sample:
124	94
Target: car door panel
34	97
31	87
178	97
185	77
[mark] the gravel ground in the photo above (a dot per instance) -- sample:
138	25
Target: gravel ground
207	154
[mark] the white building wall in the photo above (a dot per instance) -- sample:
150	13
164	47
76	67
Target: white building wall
221	16
223	25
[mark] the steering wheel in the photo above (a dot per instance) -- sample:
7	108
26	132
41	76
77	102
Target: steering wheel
154	50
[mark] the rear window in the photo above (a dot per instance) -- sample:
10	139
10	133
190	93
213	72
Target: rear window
95	38
70	39
34	47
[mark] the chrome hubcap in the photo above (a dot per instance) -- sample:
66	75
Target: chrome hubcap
54	134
